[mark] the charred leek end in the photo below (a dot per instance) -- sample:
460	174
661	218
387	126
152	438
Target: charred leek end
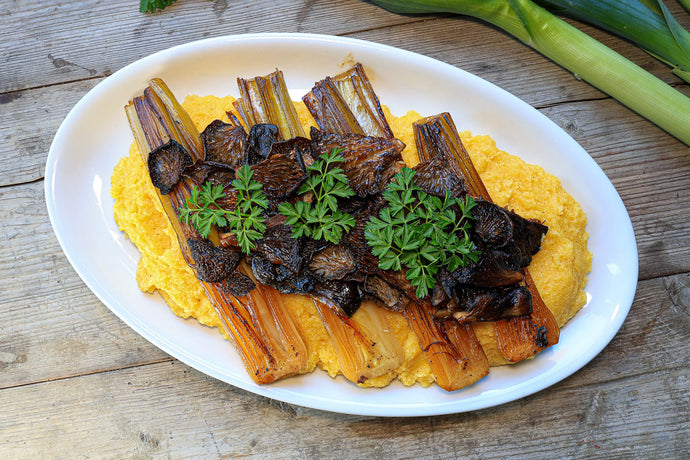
365	345
648	24
260	327
576	51
262	331
461	336
518	337
189	135
266	100
153	127
346	103
437	137
453	351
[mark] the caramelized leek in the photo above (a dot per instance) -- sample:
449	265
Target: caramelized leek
258	324
475	364
365	345
365	350
453	351
266	100
346	103
518	337
437	135
151	129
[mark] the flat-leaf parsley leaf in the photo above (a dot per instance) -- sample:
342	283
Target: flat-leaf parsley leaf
245	221
420	232
150	6
321	219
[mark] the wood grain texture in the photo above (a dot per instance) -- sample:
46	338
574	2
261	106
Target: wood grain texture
76	382
44	50
168	410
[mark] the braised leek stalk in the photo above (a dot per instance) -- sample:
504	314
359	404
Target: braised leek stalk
648	24
258	324
346	103
265	99
437	135
518	337
365	350
364	343
576	51
453	351
152	126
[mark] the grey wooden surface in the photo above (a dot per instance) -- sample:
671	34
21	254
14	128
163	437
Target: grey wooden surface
75	382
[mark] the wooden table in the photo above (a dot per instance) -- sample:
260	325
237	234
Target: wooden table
76	382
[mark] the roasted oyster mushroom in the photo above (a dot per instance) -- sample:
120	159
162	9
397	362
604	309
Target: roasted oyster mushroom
344	294
370	162
166	164
238	284
261	138
224	144
471	304
280	175
213	264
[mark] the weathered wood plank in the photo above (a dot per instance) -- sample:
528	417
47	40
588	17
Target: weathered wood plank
168	410
651	172
43	49
40	55
52	325
29	123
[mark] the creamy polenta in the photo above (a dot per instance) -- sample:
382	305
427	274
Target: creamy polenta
559	270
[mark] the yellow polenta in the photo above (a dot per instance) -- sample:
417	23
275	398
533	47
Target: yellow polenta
560	269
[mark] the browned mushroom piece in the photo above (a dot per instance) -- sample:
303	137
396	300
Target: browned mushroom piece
166	164
224	144
213	264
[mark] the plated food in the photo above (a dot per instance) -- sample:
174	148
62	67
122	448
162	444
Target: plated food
332	296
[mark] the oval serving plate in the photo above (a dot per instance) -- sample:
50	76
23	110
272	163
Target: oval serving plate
95	135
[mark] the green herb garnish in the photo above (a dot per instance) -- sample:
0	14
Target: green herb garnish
150	6
321	219
421	232
245	221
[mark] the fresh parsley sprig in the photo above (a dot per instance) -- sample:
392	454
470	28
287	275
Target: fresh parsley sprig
150	6
421	232
245	221
321	218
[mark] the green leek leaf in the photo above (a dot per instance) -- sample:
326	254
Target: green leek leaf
648	24
574	50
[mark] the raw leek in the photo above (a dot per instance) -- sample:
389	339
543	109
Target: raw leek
576	51
648	24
